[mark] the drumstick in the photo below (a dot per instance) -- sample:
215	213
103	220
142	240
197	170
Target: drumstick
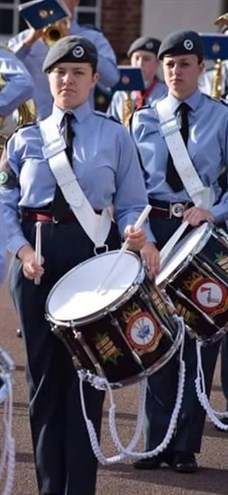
137	225
165	251
38	249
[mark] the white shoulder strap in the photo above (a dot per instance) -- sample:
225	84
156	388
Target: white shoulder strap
96	226
169	127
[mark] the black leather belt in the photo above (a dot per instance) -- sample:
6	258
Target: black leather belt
164	209
44	215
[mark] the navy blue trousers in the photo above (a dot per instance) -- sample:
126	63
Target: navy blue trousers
64	461
162	385
224	367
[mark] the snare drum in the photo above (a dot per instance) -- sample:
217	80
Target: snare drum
124	333
196	280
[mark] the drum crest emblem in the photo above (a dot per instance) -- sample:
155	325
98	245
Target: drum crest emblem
208	294
143	332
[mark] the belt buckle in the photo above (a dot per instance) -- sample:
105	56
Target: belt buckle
176	210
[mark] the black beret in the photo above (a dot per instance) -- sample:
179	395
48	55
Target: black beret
181	43
144	43
71	49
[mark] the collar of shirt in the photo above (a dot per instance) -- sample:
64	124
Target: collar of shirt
80	113
193	101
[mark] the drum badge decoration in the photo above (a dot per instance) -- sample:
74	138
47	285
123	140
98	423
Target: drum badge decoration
142	331
207	293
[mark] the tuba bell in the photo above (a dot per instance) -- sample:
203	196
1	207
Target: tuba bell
25	113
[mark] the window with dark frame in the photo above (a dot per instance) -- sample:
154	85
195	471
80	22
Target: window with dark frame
88	12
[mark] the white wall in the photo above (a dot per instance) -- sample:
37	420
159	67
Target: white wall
161	17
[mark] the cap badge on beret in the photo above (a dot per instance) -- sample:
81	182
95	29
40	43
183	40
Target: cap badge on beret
188	44
78	51
149	45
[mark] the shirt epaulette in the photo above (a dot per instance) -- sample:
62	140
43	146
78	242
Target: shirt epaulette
23	126
144	107
218	100
107	116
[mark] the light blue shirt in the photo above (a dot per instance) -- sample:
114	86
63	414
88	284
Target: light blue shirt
119	98
34	56
19	83
104	160
2	246
207	147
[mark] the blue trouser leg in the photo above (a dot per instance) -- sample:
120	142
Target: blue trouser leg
224	367
64	460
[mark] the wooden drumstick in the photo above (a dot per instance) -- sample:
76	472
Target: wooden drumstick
38	249
137	225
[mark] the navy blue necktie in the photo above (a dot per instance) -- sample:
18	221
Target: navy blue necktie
60	208
172	176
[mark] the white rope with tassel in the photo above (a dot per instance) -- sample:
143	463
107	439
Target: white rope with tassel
128	451
202	395
7	461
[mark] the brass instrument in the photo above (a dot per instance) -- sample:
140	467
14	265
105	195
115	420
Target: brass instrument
216	91
25	113
53	32
128	109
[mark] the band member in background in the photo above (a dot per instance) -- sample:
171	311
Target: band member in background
142	54
207	121
215	82
16	84
108	171
30	47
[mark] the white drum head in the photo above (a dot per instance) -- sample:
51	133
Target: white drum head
193	243
75	296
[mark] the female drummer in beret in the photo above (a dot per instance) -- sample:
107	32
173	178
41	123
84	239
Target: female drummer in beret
205	131
105	163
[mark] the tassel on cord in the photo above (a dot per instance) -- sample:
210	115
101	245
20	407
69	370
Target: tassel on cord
202	395
7	459
128	451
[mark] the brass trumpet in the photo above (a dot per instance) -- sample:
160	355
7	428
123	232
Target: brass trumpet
53	32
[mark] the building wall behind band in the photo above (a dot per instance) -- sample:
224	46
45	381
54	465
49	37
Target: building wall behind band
160	17
121	23
124	20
